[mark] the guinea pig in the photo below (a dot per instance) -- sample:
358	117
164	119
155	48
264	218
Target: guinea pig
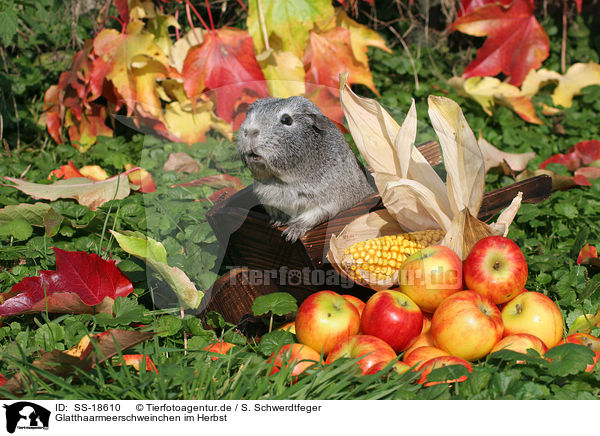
304	170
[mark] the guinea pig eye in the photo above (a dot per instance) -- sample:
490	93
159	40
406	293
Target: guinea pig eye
286	119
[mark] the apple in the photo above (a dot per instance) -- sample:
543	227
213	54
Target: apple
440	362
430	275
373	349
299	355
520	343
325	318
466	325
423	340
495	268
357	302
534	313
393	317
422	354
426	322
220	347
399	367
289	327
592	342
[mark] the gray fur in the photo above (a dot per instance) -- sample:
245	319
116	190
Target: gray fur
305	172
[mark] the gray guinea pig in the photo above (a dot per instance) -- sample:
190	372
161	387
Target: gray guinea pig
304	170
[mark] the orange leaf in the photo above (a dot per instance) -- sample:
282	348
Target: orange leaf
65	172
516	42
329	53
142	178
136	360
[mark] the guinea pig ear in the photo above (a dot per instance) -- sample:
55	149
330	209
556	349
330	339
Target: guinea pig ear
319	121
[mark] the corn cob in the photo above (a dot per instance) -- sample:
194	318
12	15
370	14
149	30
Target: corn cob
379	258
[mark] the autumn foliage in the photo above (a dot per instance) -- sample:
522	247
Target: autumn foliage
180	88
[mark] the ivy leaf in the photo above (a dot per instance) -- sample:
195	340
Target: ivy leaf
568	359
273	341
277	303
566	209
8	23
81	283
516	42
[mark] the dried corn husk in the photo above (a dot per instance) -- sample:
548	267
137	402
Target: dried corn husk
415	197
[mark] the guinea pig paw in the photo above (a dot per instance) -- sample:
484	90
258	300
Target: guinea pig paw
277	222
294	232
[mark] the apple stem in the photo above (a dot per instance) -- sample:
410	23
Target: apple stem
497	266
519	308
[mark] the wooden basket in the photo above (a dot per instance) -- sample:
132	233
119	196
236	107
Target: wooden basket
242	228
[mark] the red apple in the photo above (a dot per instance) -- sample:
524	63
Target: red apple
393	317
422	354
592	342
357	302
399	367
299	355
220	347
440	362
325	318
520	343
373	349
430	275
466	325
495	268
536	314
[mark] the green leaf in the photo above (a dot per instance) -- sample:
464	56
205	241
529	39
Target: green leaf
32	213
273	341
168	325
568	359
8	25
18	229
277	303
139	245
566	209
52	222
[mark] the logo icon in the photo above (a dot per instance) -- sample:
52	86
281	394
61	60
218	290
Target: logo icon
26	415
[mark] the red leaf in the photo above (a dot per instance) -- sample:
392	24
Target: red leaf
581	180
217	181
588	151
468	6
78	274
588	251
578	3
222	194
65	172
588	172
570	160
516	42
122	9
225	64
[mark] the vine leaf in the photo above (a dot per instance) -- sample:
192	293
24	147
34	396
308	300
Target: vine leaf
224	64
516	42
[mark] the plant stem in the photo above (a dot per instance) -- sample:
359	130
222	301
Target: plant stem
263	26
563	45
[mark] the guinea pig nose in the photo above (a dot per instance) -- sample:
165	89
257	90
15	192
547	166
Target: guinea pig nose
251	133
